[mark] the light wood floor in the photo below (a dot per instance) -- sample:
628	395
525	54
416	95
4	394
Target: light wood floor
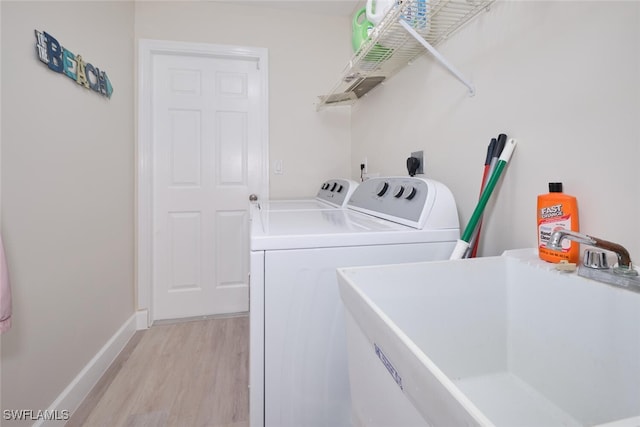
183	374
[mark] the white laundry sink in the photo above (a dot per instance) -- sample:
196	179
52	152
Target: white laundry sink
504	341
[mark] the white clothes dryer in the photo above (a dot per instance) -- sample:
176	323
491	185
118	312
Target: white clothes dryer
298	357
333	193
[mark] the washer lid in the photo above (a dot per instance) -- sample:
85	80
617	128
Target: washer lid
334	228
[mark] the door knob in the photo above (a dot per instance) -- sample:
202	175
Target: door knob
253	198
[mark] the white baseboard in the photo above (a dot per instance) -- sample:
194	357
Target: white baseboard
72	396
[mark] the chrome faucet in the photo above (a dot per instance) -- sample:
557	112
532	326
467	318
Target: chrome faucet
623	274
555	243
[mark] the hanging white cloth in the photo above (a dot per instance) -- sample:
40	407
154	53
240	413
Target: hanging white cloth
5	292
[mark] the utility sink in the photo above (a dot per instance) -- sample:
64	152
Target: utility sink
497	341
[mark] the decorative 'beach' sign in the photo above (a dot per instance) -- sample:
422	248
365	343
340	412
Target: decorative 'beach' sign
73	66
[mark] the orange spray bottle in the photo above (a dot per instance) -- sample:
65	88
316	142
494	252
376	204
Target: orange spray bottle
557	210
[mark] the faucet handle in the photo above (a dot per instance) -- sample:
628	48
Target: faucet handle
595	259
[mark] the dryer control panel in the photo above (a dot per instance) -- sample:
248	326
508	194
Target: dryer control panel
336	191
416	202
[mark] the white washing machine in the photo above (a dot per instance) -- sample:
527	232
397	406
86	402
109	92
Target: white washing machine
298	357
334	193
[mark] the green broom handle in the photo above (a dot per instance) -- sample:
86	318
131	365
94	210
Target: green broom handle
486	194
482	203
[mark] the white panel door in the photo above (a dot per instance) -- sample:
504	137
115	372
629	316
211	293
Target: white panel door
205	138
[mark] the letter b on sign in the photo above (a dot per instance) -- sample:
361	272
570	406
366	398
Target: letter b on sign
54	51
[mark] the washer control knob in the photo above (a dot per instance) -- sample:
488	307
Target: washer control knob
382	188
333	188
340	188
325	186
411	193
397	192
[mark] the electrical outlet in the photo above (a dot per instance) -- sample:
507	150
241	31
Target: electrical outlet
420	156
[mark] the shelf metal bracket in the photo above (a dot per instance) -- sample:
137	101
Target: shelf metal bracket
439	57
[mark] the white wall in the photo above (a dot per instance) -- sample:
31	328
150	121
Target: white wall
67	195
561	78
306	53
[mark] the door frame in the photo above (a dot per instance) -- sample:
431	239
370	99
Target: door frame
147	48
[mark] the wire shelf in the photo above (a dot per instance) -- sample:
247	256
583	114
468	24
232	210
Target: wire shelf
390	46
